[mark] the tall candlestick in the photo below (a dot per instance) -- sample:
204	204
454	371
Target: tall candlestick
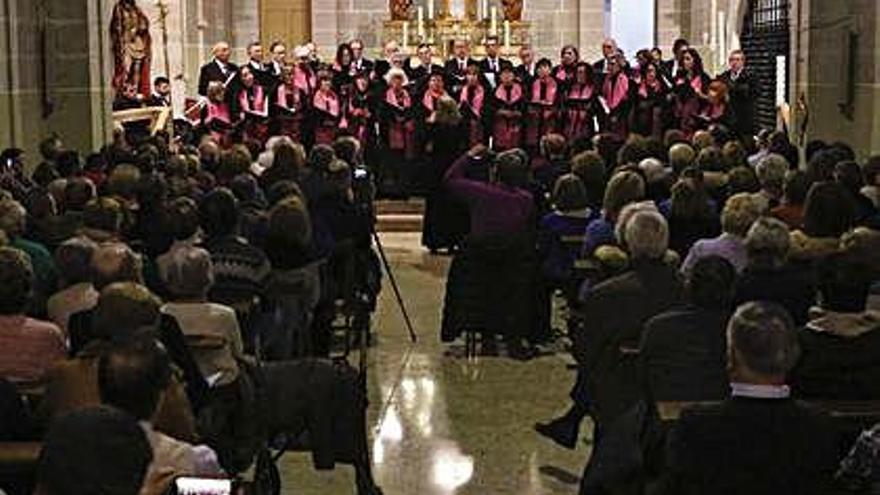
494	28
484	11
506	34
421	21
431	9
405	35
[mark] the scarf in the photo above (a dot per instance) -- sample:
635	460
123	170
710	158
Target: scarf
430	98
218	111
473	97
252	100
304	79
403	103
288	97
509	95
646	89
615	90
580	92
327	102
544	91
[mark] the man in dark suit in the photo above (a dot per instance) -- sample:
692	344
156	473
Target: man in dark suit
418	76
258	67
278	52
381	67
609	50
671	67
220	69
760	440
359	63
525	71
491	66
616	311
161	96
744	87
455	68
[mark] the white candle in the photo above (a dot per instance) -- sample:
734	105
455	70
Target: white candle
494	28
405	35
421	21
430	9
485	10
507	34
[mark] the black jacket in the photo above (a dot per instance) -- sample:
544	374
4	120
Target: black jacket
211	72
743	92
754	446
793	287
683	354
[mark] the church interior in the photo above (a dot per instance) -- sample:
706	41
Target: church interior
439	247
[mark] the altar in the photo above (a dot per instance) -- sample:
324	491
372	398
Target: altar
441	22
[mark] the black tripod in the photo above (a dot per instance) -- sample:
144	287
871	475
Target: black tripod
409	326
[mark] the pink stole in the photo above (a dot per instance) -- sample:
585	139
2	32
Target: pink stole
304	79
542	111
259	103
401	133
615	91
579	119
507	131
473	97
325	130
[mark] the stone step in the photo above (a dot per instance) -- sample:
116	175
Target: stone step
400	207
397	222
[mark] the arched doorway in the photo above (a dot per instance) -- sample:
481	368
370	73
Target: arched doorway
765	37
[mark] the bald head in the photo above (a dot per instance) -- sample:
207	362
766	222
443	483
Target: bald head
221	51
115	262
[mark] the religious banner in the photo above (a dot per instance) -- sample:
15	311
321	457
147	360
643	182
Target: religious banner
132	47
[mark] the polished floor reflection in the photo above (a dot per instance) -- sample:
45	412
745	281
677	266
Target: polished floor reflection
443	425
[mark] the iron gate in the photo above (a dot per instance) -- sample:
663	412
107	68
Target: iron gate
765	36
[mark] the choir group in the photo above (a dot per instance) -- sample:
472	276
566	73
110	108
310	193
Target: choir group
390	105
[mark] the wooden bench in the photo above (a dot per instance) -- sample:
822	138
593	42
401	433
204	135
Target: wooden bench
843	410
17	458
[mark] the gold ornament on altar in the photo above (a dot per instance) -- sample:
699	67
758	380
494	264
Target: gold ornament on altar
400	9
513	9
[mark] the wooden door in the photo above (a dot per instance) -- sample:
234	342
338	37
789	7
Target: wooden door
286	20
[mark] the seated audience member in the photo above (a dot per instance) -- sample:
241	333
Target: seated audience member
682	352
132	376
211	329
840	358
13	220
182	223
691	213
111	262
737	217
680	157
28	347
849	175
794	194
871	177
95	450
124	310
859	471
590	169
759	440
568	219
623	188
74	261
828	213
769	276
771	172
103	220
616	311
240	269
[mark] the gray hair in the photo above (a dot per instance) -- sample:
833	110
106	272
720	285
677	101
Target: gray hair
647	235
771	171
188	271
762	338
681	156
768	242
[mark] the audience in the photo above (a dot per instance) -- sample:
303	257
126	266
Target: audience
759	440
737	217
76	291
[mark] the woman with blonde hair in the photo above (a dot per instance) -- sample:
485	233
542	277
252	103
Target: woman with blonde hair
624	188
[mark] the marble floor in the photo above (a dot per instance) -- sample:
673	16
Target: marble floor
440	424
